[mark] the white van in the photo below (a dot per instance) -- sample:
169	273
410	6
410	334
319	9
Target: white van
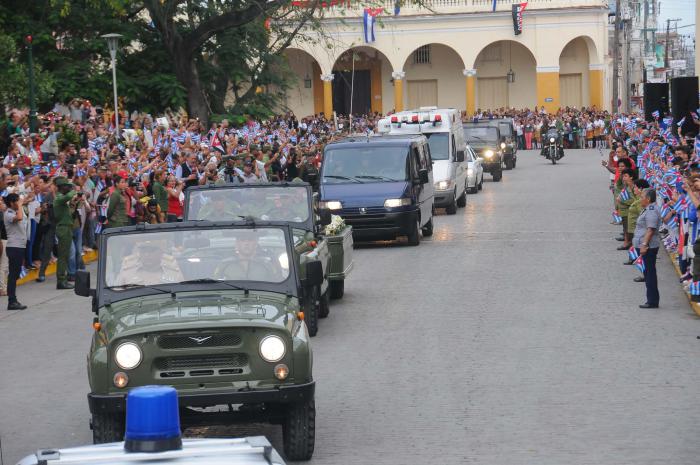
443	128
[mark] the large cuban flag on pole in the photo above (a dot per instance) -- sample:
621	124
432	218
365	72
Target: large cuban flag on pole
368	21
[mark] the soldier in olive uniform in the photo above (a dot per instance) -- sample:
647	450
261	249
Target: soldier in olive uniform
116	211
217	208
64	229
149	265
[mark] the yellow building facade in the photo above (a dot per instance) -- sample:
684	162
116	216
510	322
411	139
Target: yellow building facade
458	54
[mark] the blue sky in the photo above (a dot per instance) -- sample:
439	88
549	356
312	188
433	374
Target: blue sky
673	9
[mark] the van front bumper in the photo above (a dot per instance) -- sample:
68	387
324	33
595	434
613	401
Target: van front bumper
116	403
379	223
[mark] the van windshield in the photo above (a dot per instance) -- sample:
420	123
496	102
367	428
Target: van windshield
368	163
439	145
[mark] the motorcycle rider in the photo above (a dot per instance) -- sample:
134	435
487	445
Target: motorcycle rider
553	133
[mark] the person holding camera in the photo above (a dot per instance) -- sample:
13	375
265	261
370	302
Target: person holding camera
16	226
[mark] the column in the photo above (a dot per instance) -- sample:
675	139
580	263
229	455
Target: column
548	88
327	95
697	34
398	89
595	85
470	75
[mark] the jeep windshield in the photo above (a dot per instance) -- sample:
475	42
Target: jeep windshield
289	203
481	135
439	145
365	163
202	256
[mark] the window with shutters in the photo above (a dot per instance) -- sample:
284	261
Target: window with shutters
422	55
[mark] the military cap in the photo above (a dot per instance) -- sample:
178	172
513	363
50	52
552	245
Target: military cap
62	181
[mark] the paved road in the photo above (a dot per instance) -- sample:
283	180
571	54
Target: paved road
511	337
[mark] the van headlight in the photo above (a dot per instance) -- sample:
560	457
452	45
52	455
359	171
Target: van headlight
551	139
128	356
393	203
331	205
444	185
488	153
272	349
470	172
503	145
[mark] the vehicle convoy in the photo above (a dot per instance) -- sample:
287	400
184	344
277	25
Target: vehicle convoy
485	139
212	309
382	186
443	128
153	436
291	203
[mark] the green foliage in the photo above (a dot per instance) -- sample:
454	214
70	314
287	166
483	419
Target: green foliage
67	135
14	76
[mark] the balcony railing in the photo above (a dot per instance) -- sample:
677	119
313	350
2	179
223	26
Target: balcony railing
454	6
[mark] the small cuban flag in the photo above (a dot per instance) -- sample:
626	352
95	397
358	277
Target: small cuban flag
639	263
624	195
656	114
694	288
633	253
368	21
681	122
616	217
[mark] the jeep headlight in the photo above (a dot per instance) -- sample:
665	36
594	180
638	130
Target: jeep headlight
331	205
128	356
444	185
393	203
551	139
488	153
272	348
503	145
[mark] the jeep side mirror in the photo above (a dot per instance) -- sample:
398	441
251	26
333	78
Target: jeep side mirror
314	273
82	283
459	157
325	216
423	176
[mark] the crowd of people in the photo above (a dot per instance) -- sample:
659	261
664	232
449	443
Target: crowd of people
76	175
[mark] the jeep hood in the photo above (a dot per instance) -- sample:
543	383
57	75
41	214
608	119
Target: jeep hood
367	194
195	311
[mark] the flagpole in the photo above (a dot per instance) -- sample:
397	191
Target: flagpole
352	88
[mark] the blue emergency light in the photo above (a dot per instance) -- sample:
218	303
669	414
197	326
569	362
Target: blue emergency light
152	420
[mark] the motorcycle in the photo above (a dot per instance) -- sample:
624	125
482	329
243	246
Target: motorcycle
554	151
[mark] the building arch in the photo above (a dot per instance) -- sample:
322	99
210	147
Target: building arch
493	66
362	79
305	94
580	74
433	76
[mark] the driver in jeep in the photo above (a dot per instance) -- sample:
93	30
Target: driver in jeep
149	265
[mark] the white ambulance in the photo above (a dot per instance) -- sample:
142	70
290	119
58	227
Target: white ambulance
443	128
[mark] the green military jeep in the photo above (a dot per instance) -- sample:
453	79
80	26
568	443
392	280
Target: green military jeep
211	309
292	203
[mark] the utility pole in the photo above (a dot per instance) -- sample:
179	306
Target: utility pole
616	58
32	100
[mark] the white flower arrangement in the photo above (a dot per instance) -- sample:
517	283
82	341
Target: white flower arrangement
336	226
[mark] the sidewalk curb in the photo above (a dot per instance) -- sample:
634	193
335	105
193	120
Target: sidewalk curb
673	256
51	269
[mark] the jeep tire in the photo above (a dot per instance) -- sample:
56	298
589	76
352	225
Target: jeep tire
312	304
497	175
336	289
299	431
107	427
325	306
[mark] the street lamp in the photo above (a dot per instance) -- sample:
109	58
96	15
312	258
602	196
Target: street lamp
112	42
32	102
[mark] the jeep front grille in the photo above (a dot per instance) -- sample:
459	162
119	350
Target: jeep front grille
201	362
183	341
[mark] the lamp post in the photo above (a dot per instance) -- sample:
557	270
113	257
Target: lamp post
112	42
32	102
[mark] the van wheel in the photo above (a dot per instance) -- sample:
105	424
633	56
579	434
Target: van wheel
312	302
428	228
481	183
299	431
413	234
325	305
497	175
107	427
451	209
336	289
462	201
